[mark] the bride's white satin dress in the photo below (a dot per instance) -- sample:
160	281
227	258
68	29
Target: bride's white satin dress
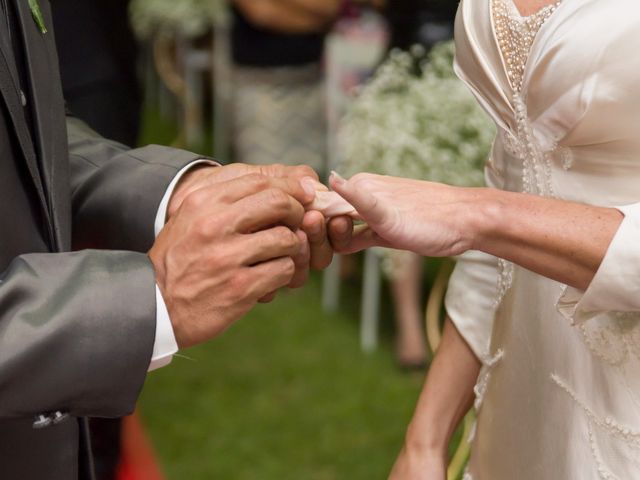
559	392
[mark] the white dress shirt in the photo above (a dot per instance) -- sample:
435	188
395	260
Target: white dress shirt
165	345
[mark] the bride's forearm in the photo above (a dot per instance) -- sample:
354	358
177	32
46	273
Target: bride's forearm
561	240
446	397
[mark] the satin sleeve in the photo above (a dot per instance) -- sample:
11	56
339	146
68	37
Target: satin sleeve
616	285
473	287
471	298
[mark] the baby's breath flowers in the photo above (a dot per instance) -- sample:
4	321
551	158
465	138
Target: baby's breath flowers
416	119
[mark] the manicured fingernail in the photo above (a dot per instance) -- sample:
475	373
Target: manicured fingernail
309	186
337	178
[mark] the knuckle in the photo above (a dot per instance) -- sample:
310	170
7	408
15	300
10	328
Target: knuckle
288	267
203	226
257	180
195	200
306	171
286	238
278	199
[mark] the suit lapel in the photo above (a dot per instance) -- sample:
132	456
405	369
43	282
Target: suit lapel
10	89
48	114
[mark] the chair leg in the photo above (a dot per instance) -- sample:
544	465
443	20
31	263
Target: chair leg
370	309
331	286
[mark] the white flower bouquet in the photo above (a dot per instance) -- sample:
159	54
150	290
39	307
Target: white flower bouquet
416	119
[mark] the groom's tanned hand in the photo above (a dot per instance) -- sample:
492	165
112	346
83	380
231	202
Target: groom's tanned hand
319	253
227	246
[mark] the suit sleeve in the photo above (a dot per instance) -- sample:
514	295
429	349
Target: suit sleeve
76	332
116	191
77	329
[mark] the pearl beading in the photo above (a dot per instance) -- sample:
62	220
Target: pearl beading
625	433
516	34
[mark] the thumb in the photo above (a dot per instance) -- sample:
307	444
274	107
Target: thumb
359	195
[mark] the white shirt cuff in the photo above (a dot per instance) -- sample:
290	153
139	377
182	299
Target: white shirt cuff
161	216
165	345
615	286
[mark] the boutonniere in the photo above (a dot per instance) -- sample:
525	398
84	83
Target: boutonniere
37	15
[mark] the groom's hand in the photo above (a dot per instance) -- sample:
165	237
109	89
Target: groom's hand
226	247
319	253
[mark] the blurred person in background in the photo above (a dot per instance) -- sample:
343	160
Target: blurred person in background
423	22
279	102
97	53
414	22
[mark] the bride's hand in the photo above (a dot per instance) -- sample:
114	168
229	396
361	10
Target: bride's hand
430	219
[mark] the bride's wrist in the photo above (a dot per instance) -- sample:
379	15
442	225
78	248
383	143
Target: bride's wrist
426	442
487	219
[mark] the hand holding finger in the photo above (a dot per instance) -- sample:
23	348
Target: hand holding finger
358	192
340	232
314	226
271	276
301	261
267	208
265	245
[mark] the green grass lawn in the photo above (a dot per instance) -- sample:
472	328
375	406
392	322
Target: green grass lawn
284	394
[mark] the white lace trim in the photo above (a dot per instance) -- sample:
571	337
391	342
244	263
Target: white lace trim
613	337
617	430
480	387
603	471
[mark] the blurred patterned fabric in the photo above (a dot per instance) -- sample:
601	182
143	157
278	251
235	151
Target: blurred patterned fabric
279	115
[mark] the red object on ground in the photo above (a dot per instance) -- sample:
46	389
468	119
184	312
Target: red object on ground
138	458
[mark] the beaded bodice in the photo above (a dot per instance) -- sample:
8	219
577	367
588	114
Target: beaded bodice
515	35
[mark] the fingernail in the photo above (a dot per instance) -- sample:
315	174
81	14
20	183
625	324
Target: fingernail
309	186
337	178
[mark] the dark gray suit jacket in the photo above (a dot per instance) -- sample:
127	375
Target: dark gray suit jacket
76	328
